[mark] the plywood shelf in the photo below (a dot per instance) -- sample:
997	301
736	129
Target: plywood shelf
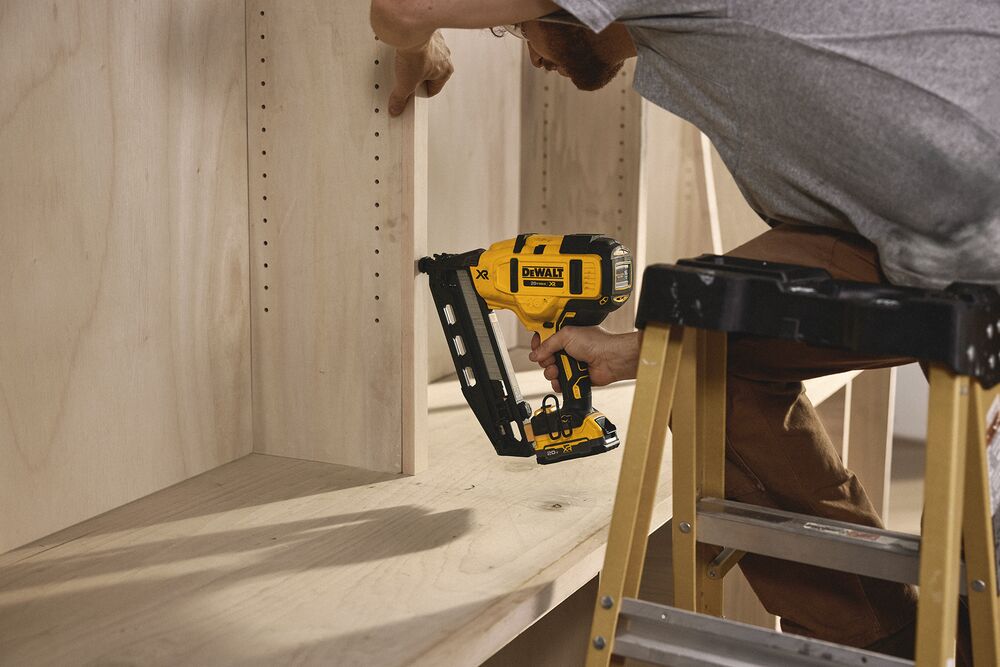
270	560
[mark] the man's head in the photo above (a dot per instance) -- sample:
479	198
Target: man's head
590	60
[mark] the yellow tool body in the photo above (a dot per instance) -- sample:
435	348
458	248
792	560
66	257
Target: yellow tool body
552	281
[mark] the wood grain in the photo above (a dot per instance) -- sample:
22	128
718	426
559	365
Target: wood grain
270	560
124	333
580	161
737	221
869	434
337	224
473	161
675	198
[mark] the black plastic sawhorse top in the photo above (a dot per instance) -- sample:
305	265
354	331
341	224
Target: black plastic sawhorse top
958	328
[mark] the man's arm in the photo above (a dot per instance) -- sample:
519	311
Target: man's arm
409	24
421	54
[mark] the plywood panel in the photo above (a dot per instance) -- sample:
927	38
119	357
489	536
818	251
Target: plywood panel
473	157
685	186
675	204
872	399
124	333
580	159
558	638
663	180
274	561
737	221
338	215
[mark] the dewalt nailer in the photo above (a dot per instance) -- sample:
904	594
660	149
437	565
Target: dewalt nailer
549	282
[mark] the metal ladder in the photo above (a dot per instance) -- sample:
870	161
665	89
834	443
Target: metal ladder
686	312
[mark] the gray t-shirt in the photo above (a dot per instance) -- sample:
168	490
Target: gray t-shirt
881	116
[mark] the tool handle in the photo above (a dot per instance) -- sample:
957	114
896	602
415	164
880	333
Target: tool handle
574	379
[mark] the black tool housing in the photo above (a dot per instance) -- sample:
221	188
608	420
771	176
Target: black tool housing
477	348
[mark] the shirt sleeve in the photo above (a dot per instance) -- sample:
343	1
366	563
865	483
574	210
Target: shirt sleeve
599	14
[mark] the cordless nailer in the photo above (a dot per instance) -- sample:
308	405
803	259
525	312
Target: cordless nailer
549	282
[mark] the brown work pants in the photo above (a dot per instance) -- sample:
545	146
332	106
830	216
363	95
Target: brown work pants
779	455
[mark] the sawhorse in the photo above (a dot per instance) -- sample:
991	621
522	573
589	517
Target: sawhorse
686	312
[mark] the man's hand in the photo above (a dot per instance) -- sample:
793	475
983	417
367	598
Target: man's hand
430	64
611	357
421	55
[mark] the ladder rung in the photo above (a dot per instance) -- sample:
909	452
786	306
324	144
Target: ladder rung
667	636
807	539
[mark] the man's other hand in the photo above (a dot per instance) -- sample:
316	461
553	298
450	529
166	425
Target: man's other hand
610	357
430	64
411	27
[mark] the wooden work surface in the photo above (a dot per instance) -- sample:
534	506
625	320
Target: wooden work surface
270	560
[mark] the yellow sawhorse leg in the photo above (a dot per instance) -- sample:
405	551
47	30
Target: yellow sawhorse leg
656	380
711	447
980	558
937	612
699	459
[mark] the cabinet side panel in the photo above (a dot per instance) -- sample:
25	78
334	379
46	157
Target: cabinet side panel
124	315
335	227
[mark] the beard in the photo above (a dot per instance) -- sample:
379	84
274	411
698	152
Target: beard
594	76
580	56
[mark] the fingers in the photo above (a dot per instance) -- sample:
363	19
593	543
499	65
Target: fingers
547	361
411	71
551	372
402	94
398	101
434	87
409	75
545	353
429	64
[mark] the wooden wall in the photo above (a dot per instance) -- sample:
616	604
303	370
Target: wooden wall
124	321
337	222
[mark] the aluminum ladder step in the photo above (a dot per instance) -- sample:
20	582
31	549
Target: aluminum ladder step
808	539
663	635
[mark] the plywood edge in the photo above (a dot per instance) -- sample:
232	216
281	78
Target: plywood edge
414	316
508	617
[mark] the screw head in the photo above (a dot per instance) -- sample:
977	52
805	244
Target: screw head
599	642
713	574
607	601
979	585
685	527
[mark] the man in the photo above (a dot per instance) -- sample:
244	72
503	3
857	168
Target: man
867	134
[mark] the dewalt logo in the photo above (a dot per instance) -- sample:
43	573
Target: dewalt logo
542	276
550	272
